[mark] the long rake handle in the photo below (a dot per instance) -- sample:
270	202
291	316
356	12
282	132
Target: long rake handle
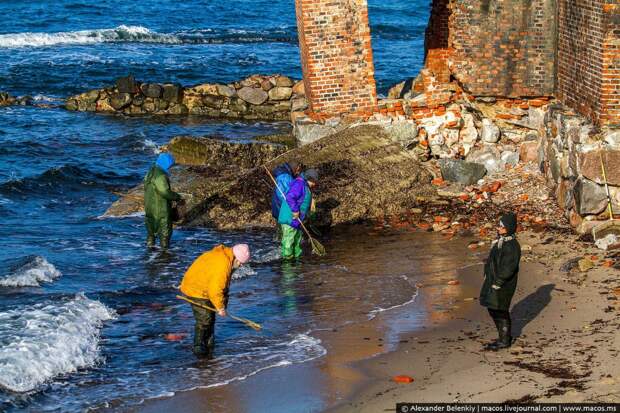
245	321
284	196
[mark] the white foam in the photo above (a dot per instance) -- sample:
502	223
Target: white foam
380	310
270	255
121	33
139	214
302	348
243	272
45	341
151	146
32	274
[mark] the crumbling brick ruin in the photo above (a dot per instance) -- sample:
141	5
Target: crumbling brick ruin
336	55
569	49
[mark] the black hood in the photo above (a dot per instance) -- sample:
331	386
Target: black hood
509	220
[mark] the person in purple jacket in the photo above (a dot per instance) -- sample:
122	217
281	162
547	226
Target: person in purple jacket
294	211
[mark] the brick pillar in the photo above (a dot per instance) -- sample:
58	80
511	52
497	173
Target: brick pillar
589	58
336	56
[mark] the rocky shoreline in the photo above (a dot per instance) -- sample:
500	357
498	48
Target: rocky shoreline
257	97
429	120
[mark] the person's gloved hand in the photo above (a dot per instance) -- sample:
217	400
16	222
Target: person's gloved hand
495	287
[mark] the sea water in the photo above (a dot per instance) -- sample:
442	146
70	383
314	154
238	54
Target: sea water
85	309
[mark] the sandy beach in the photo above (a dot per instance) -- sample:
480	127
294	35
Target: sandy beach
566	349
565	325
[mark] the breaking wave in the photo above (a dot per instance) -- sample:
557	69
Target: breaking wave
43	342
140	34
31	273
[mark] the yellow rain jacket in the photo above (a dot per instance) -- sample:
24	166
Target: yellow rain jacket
209	276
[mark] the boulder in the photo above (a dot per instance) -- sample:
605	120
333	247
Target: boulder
396	90
149	106
266	85
468	134
489	156
590	198
253	95
238	105
403	132
252	81
307	131
127	84
466	173
528	151
213	101
490	131
103	105
283	81
221	154
161	104
589	164
554	164
90	96
6	99
510	158
137	100
280	93
70	104
120	101
299	104
299	89
177	109
172	93
612	138
151	90
203	89
224	90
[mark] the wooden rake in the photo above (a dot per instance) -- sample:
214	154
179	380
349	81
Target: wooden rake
253	325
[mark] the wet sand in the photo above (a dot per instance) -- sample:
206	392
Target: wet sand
566	350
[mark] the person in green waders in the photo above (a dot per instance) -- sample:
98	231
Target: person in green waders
500	280
158	198
297	206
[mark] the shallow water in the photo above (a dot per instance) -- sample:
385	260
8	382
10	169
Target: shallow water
85	309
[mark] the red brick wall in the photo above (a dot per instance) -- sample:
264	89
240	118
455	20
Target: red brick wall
436	36
336	55
503	48
589	58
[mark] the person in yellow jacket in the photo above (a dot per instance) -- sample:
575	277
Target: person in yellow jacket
206	282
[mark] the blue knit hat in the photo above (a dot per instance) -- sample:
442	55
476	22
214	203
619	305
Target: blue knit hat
165	161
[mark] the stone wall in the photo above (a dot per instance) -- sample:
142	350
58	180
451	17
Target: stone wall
255	98
503	48
589	58
336	56
570	155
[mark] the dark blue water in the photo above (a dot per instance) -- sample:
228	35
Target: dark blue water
84	308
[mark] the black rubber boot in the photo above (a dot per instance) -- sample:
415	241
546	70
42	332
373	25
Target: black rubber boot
204	337
505	338
492	346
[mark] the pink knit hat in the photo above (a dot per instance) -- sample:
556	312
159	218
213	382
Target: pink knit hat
242	253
